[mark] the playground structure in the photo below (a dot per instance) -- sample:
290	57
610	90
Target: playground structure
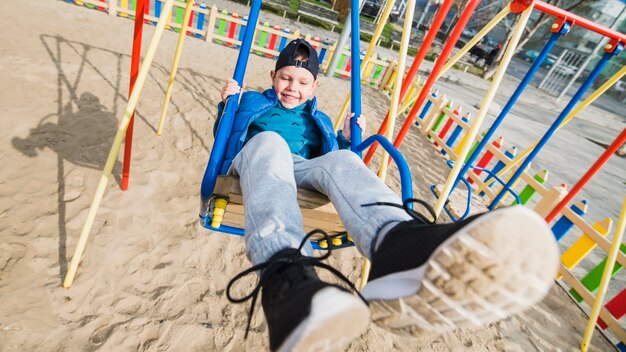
453	134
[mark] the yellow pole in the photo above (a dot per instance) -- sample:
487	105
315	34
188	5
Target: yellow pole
117	142
179	50
580	107
484	106
365	273
366	58
395	95
413	93
606	277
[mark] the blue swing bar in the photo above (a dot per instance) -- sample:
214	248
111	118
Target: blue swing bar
224	129
355	76
509	105
468	204
403	168
570	106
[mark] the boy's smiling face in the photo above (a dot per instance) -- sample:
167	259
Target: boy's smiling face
293	85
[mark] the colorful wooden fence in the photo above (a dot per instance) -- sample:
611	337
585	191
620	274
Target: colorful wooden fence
446	129
222	27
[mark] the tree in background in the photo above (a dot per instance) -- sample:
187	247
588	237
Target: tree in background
342	7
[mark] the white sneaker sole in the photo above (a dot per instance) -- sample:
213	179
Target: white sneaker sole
336	319
498	265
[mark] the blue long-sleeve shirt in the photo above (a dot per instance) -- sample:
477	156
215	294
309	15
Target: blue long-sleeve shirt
254	106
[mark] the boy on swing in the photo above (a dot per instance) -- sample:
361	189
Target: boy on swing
424	276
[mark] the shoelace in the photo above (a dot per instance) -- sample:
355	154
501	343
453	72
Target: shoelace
414	214
273	265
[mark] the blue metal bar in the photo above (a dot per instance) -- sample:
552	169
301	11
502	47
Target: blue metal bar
469	191
206	223
509	105
499	166
468	205
226	123
345	243
579	94
355	81
403	167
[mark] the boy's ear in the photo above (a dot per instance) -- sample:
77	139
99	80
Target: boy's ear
272	74
316	83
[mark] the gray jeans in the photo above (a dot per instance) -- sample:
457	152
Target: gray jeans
269	176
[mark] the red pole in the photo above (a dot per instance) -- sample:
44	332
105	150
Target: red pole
348	67
147	10
134	70
233	26
101	8
579	21
406	82
445	53
272	44
616	306
447	126
617	143
315	42
190	24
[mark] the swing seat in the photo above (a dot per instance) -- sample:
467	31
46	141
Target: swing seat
317	211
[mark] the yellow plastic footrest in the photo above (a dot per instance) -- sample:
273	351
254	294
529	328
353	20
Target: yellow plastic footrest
218	212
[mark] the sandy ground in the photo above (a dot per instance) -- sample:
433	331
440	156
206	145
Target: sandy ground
151	278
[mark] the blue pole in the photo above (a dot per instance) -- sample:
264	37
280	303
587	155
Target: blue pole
200	23
427	106
455	134
283	41
579	94
323	51
355	86
563	225
226	123
242	29
157	8
509	105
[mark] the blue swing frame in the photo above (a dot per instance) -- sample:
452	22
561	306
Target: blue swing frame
507	186
224	129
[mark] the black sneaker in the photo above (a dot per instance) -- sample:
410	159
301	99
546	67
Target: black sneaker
438	277
302	312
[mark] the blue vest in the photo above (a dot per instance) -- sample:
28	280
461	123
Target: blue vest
255	104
